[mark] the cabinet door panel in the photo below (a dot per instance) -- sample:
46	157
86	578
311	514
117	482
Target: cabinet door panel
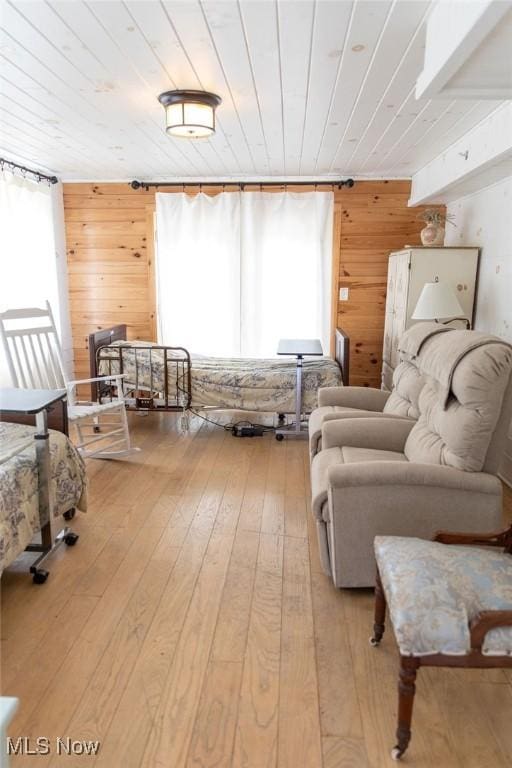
402	279
388	337
390	289
387	377
398	329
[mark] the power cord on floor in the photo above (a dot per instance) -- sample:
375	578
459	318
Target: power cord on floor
237	427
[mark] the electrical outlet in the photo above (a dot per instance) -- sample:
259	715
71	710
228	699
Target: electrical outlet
344	294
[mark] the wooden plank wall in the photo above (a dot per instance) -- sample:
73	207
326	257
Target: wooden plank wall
374	221
110	261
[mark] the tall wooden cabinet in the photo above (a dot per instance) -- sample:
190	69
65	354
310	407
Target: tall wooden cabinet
408	271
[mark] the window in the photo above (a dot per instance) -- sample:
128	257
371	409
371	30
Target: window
30	271
238	271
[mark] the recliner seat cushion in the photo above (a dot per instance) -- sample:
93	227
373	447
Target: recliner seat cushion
356	455
327	413
457	432
330	457
433	591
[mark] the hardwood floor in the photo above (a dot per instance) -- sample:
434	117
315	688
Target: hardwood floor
192	627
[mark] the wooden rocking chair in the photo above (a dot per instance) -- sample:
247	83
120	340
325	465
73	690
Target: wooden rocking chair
449	606
34	358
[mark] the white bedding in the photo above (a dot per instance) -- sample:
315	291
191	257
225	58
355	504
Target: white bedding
19	507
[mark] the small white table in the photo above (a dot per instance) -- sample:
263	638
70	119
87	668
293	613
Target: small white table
299	348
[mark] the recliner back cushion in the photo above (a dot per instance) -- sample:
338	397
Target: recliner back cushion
407	385
458	433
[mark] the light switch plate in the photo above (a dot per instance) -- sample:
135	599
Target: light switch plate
344	294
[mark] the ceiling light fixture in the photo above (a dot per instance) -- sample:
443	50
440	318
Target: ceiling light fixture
190	114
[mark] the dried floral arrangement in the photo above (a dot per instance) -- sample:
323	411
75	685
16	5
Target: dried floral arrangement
433	216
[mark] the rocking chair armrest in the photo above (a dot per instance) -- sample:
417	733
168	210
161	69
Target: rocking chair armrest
96	378
491	539
483	622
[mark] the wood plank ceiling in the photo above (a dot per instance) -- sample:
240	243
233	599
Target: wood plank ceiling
310	88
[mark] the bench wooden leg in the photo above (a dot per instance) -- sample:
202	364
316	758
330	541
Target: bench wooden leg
380	613
406	690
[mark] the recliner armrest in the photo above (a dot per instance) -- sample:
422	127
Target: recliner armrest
402	473
364	398
378	433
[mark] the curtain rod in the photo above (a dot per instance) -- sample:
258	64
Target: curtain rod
38	176
242	184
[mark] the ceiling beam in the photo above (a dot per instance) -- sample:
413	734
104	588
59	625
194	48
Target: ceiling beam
457	32
481	157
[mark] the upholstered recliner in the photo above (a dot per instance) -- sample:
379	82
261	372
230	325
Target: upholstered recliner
367	402
378	476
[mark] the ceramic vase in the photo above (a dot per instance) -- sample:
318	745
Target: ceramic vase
432	234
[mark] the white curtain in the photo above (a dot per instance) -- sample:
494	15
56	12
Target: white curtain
198	272
286	260
238	271
30	270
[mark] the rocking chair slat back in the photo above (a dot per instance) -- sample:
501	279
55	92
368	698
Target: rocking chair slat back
33	354
34	357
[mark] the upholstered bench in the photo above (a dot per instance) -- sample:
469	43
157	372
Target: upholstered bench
449	606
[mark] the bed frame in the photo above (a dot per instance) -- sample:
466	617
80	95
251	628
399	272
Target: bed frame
177	369
177	394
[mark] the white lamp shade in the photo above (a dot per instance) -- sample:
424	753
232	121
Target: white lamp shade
437	301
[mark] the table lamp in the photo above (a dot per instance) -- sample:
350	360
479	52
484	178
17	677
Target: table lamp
438	302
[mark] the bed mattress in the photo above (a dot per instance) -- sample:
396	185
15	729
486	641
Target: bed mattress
19	507
263	385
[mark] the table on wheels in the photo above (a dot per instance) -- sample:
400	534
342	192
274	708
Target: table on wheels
38	402
299	348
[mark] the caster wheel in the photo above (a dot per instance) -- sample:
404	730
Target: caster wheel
373	642
96	429
279	438
69	515
71	539
40	576
396	753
